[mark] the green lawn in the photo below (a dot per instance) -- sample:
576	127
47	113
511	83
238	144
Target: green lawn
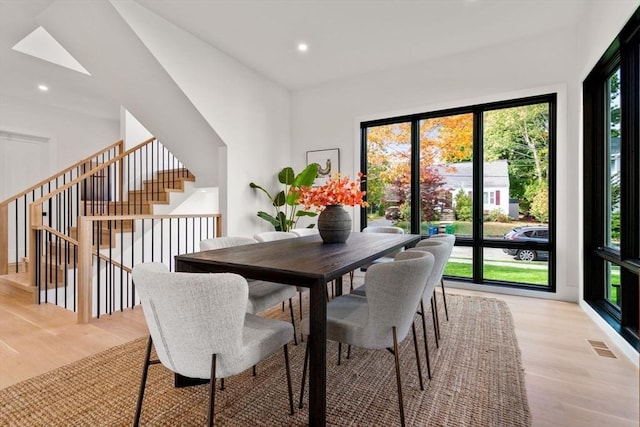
495	272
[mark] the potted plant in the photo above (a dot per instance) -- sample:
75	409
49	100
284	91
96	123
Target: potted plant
285	201
334	223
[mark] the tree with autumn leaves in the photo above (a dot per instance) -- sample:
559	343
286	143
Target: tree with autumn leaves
443	140
519	135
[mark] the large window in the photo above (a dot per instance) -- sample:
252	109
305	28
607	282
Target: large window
423	173
612	183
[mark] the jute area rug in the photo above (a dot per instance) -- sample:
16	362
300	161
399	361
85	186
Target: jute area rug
477	381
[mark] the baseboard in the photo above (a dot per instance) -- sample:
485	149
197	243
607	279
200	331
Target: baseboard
622	344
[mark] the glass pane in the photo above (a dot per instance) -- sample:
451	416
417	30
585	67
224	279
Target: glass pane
460	262
612	174
613	283
516	160
446	175
505	265
388	178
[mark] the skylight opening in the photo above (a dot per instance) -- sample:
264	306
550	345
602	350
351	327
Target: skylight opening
42	45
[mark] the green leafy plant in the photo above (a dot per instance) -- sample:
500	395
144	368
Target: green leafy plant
285	201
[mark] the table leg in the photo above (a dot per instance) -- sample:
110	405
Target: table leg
318	355
339	286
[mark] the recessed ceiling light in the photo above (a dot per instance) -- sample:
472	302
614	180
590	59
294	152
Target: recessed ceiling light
43	88
303	47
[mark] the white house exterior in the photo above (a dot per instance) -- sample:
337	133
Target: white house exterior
496	183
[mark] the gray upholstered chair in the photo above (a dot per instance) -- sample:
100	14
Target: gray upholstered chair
200	329
440	251
262	294
388	258
268	236
439	271
300	232
384	318
390	229
451	240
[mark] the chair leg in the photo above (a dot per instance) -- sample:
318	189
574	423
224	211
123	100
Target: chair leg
339	352
398	380
300	307
286	365
415	345
444	298
435	323
221	384
212	391
293	322
424	331
254	371
435	311
143	382
300	299
351	279
349	352
304	373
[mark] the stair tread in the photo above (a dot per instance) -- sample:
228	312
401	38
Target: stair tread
18	280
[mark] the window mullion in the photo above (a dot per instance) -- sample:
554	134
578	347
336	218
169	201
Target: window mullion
478	130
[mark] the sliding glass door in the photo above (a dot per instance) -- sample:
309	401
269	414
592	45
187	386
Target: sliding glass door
483	173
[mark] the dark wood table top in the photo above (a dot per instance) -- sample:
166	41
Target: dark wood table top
299	261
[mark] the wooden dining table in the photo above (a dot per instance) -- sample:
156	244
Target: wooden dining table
306	262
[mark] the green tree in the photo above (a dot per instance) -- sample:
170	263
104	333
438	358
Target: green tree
540	204
521	136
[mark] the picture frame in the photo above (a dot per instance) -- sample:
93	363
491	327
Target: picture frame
328	163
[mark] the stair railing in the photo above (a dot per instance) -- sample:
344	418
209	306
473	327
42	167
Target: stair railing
104	190
103	284
14	218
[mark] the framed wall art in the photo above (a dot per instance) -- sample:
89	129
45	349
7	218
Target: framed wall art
328	163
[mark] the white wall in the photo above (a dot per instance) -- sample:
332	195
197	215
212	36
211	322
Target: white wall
132	131
328	116
602	22
249	112
76	135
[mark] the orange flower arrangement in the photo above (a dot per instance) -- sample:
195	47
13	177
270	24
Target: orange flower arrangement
335	191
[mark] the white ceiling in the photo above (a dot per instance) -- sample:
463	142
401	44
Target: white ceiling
346	38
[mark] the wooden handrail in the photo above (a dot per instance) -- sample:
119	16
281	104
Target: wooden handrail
30	193
119	144
75	242
57	234
93	171
35	208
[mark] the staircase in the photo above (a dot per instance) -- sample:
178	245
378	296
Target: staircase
154	192
58	257
113	197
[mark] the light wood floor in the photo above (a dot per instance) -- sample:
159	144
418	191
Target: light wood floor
568	383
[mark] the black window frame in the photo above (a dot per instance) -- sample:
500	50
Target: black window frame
624	52
477	242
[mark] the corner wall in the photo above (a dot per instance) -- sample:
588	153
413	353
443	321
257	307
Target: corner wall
249	112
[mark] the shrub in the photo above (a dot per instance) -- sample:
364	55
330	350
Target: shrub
464	209
497	215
